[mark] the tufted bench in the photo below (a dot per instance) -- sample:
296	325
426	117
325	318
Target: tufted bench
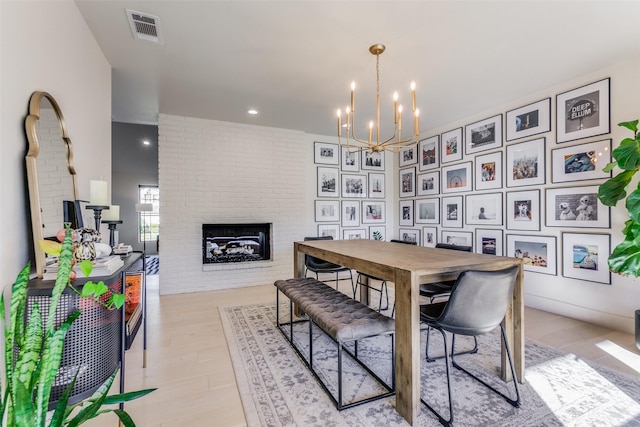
342	318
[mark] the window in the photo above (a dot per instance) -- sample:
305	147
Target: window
149	220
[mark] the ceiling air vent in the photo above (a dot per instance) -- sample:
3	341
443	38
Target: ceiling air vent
144	26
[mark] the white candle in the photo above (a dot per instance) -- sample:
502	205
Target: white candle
98	193
113	214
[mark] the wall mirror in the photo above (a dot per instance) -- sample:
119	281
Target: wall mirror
53	188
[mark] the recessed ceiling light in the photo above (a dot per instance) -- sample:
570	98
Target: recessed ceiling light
146	142
252	112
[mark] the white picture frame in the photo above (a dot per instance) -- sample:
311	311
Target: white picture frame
373	211
523	210
452	212
377	232
457	238
581	162
451	145
488	171
332	230
428	183
429	153
457	178
576	207
526	163
409	235
372	160
489	241
408	156
328	182
376	185
327	210
537	252
483	135
407	179
325	153
350	213
484	209
429	237
354	233
585	257
583	112
349	160
406	213
532	119
427	211
353	185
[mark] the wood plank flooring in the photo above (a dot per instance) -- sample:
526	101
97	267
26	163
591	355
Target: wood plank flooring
189	362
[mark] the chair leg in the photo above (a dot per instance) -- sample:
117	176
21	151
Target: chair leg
442	420
474	350
513	402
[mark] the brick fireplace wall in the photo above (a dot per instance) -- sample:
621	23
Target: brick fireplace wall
221	172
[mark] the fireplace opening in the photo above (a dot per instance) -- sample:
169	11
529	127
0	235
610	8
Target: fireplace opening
225	243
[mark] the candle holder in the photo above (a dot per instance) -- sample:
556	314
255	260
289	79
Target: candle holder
97	214
112	224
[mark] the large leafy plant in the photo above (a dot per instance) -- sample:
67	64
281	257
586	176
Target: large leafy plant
32	354
625	258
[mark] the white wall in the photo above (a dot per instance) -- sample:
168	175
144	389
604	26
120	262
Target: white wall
609	305
46	46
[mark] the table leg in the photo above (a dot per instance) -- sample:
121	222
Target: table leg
407	346
365	292
514	329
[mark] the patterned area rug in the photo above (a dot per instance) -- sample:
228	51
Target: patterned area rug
278	390
153	264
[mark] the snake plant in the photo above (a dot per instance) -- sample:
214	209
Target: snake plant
625	257
32	356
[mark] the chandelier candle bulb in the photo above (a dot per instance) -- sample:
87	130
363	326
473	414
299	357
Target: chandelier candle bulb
399	118
395	107
417	122
370	131
339	124
353	96
98	193
413	96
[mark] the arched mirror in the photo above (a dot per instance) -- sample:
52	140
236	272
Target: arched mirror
53	187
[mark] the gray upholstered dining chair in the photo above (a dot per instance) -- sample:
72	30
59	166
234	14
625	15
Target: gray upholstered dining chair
320	266
477	305
383	283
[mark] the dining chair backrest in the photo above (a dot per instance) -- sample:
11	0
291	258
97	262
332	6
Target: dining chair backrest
313	262
454	247
478	301
402	241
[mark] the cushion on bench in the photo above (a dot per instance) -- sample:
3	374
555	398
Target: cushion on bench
340	316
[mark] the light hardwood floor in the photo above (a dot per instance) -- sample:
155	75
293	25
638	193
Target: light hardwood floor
188	359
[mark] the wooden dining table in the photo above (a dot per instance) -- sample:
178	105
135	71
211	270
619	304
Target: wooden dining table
408	266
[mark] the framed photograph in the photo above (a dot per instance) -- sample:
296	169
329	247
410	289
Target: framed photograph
583	112
484	135
458	238
354	233
429	154
349	160
428	183
327	210
406	213
456	178
489	171
584	257
377	232
354	185
452	211
373	161
410	235
373	212
525	163
376	185
529	120
332	230
325	153
581	162
523	210
427	211
576	207
489	241
350	213
537	252
408	156
451	146
484	209
408	182
429	236
328	182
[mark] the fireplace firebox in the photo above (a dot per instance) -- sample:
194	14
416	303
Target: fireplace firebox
227	243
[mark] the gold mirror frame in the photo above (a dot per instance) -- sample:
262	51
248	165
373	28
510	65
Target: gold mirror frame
34	181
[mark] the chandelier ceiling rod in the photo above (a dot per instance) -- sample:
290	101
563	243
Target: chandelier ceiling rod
395	141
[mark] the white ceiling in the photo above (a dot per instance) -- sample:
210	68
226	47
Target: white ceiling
294	60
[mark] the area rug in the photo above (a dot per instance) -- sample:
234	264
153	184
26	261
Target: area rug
153	264
277	389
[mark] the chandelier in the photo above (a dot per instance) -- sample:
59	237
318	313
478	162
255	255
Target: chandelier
395	142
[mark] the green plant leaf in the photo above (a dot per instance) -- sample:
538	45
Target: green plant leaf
614	189
94	403
609	167
50	247
118	300
627	154
59	415
29	353
124	418
632	125
62	279
86	267
127	397
633	205
14	331
624	259
100	289
88	289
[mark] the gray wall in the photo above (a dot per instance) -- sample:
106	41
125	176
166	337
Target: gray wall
133	164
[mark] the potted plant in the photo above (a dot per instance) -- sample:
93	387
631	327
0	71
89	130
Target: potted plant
33	351
625	257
